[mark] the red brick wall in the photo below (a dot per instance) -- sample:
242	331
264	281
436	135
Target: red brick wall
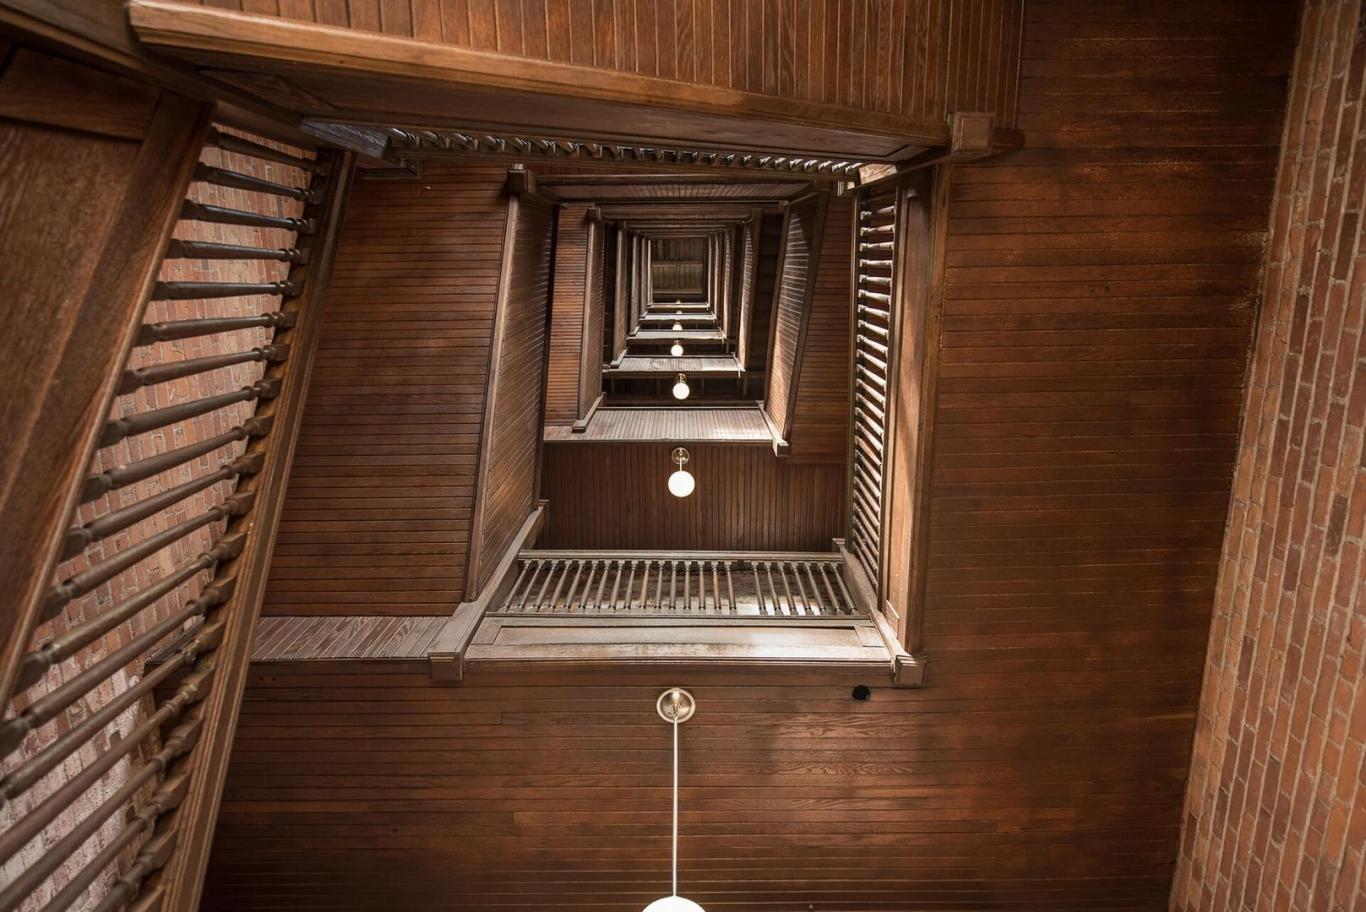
1275	810
149	571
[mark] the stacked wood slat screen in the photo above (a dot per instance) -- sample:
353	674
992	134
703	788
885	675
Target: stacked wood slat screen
874	261
170	513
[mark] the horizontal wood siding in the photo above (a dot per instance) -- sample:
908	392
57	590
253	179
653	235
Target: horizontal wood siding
377	516
1101	285
912	57
614	496
563	392
513	428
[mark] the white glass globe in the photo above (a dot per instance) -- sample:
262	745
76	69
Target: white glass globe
681	390
677	350
681	484
674	904
678	327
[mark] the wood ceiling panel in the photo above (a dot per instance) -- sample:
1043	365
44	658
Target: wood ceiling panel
1004	782
923	58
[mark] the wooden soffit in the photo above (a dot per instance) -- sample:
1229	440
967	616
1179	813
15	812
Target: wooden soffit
346	75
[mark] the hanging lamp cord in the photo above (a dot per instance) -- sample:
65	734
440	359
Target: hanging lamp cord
675	852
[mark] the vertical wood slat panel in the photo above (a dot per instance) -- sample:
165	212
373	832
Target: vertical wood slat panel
913	57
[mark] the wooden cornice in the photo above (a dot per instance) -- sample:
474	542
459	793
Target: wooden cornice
354	74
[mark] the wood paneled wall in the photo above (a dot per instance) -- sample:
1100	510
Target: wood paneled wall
614	496
514	413
802	225
914	57
567	331
1100	287
378	512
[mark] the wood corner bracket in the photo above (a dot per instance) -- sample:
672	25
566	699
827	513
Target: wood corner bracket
446	656
973	135
909	670
520	181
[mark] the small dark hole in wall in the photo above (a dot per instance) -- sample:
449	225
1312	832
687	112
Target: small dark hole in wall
861	692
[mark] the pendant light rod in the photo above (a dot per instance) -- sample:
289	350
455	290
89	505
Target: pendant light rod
675	706
675	859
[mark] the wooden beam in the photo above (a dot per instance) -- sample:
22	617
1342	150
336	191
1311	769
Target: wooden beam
354	74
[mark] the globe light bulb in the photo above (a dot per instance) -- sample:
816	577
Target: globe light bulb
676	350
681	484
674	904
678	327
681	390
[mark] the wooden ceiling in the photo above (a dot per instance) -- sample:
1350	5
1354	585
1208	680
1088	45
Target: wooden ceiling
1096	321
738	74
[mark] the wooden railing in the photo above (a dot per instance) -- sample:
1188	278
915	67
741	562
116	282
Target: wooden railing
692	584
106	759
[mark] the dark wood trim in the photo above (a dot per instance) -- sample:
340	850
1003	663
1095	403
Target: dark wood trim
183	876
932	332
589	392
446	654
52	453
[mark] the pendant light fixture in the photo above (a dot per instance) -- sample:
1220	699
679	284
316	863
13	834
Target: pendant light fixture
681	389
678	327
677	349
675	706
681	482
